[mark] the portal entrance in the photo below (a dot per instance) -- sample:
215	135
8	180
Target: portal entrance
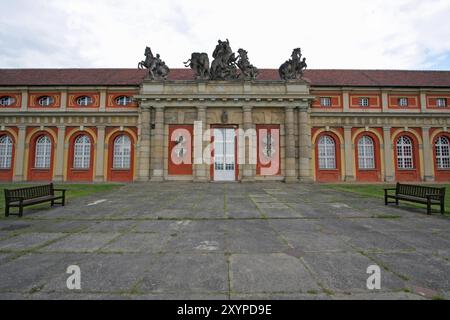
224	154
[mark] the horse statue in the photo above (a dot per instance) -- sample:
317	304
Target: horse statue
199	63
158	70
293	69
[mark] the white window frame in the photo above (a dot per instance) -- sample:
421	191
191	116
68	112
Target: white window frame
405	153
326	147
366	153
43	152
122	152
364	102
441	102
403	102
7	101
6	150
442	147
84	101
82	153
325	102
124	100
46	101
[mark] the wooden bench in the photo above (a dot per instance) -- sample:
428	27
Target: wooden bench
23	197
419	194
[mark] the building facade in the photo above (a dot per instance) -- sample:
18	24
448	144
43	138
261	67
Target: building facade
97	125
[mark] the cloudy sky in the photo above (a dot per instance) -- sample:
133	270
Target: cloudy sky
375	34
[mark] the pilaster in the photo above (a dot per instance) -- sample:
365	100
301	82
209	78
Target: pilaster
100	155
348	151
59	163
389	171
290	172
157	150
20	155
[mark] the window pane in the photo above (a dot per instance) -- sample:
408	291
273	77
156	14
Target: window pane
82	152
405	153
443	153
122	152
366	153
6	146
327	153
43	152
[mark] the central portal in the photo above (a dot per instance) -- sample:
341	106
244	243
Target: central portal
224	154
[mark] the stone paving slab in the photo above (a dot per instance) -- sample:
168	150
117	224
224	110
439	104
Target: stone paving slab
110	273
347	272
137	243
28	241
225	241
309	241
196	273
269	273
423	271
85	242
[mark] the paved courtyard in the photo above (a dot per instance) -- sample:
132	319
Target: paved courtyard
225	241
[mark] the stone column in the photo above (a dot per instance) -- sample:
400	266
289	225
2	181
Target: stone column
144	142
290	172
20	155
157	150
100	155
304	144
388	150
200	168
348	152
427	154
249	169
59	159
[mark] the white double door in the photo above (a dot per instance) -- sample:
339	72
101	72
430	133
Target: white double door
224	154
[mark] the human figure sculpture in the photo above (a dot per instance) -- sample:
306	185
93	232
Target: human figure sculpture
293	69
248	71
223	66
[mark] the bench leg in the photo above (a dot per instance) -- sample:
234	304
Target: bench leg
429	207
52	203
396	201
442	208
7	211
64	201
21	211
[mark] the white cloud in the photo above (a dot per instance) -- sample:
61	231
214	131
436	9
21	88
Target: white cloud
401	34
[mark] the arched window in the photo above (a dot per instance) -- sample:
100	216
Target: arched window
43	152
327	153
442	152
405	153
366	153
122	152
82	152
6	147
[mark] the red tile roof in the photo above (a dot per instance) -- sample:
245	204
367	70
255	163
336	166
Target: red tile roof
133	77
